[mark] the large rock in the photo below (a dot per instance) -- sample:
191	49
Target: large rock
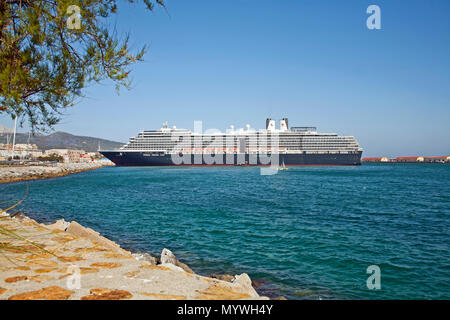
168	257
244	282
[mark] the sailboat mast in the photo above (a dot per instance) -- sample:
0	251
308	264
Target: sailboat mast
14	137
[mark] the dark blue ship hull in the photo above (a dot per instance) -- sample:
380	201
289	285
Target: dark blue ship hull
133	158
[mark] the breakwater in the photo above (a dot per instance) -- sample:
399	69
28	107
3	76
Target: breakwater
64	261
23	173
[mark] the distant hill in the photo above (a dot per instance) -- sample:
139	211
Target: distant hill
63	140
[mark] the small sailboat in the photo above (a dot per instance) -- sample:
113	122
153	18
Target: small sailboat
283	166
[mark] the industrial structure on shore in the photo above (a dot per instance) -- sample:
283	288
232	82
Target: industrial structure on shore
435	159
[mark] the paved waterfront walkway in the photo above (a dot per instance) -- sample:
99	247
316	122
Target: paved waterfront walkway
38	262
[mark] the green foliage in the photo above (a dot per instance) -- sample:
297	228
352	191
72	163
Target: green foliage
45	62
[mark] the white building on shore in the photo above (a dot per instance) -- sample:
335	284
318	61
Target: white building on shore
21	150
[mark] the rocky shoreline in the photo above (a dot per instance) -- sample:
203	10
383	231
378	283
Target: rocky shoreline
23	173
68	261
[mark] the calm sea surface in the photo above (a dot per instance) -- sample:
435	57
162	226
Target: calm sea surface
305	233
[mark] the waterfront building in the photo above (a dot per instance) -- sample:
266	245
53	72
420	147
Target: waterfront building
441	159
406	159
69	155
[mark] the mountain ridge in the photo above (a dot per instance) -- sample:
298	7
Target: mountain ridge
63	140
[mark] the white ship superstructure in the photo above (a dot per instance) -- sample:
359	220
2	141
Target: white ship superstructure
288	142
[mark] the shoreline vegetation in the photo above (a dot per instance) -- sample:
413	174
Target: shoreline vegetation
65	260
10	174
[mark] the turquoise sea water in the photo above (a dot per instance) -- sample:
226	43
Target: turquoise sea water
305	233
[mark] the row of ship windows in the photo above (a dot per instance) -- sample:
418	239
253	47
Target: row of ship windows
265	147
169	135
237	145
251	143
206	145
298	148
238	142
168	139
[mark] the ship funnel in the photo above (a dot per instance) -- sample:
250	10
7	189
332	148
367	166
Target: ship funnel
284	124
270	124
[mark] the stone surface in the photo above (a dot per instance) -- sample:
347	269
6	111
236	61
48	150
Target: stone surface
108	265
70	258
145	257
162	296
224	277
15	279
171	266
107	294
216	292
245	282
117	256
42	263
132	274
243	279
28	271
279	298
48	293
76	229
59	225
167	257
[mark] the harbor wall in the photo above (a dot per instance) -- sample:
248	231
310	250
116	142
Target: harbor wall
12	173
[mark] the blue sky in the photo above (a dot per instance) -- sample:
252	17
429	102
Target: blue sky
313	61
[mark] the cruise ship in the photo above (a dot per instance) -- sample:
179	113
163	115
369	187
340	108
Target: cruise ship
290	146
